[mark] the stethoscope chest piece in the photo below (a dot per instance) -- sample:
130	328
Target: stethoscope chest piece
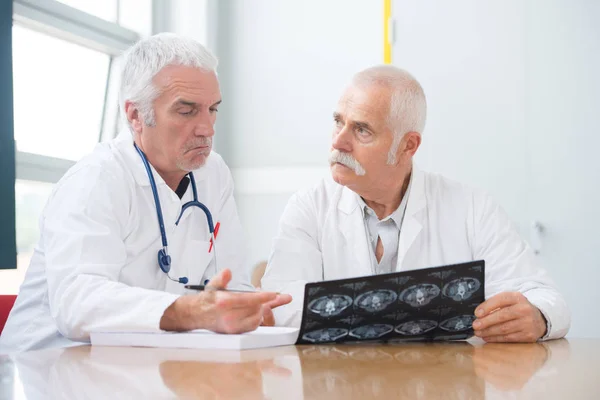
164	261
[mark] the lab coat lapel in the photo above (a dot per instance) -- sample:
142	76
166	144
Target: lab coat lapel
411	225
352	227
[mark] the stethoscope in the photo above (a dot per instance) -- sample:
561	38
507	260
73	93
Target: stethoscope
164	259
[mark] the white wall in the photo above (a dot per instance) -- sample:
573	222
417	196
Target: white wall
513	92
466	56
283	65
563	67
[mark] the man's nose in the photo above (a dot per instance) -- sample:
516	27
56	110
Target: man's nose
205	125
341	140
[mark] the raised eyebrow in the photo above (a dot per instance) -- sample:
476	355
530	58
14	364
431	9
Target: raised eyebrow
337	115
217	103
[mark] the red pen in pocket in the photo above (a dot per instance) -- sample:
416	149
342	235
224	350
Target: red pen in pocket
215	235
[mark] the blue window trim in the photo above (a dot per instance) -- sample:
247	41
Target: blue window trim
8	241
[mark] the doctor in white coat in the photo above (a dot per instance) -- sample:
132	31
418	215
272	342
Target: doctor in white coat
379	214
119	238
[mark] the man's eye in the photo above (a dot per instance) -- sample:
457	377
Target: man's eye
214	110
186	111
362	132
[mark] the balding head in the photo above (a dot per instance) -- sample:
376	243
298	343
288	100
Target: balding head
407	104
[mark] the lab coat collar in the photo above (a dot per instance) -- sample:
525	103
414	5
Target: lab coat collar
125	143
416	199
411	225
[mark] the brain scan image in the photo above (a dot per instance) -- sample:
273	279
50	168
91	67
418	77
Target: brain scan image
458	324
373	331
461	289
375	300
325	335
419	295
330	305
417	327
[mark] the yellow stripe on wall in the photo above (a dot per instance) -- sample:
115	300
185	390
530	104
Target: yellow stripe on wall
387	47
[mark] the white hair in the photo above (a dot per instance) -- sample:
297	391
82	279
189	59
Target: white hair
408	106
147	58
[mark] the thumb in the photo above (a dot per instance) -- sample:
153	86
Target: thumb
268	317
220	280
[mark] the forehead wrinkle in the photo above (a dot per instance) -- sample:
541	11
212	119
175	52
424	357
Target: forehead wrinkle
170	83
360	108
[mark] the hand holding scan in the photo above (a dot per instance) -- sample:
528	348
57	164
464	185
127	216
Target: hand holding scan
217	310
509	317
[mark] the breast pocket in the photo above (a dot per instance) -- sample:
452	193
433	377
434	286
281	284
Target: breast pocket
197	262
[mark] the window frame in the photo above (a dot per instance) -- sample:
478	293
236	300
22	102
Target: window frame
8	244
61	21
75	26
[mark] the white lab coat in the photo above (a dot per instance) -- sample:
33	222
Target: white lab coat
95	266
322	237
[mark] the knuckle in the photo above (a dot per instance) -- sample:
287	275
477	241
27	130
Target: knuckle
522	309
518	296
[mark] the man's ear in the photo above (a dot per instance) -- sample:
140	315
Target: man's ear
412	141
133	116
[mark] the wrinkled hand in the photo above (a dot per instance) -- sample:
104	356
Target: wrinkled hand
218	311
280	300
509	317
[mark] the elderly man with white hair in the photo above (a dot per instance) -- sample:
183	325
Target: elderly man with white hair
380	214
144	214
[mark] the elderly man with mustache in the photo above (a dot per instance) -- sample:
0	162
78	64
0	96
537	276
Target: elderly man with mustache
379	214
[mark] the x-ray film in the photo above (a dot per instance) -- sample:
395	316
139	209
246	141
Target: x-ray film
461	289
416	327
376	300
419	295
422	305
325	335
330	305
371	331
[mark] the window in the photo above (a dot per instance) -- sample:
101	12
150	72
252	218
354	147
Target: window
105	9
59	100
135	15
65	79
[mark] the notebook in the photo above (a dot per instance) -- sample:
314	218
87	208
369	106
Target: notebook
199	339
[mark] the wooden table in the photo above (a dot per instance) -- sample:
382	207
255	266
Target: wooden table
563	369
